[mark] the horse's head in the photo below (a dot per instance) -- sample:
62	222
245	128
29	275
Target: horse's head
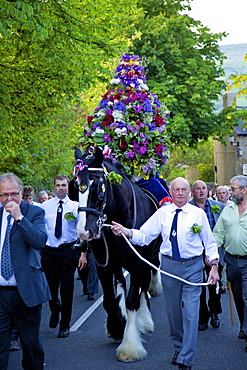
91	180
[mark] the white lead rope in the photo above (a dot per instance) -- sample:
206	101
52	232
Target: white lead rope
161	271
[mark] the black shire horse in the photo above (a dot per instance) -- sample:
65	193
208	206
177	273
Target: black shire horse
100	200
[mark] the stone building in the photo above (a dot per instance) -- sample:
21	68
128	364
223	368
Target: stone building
230	159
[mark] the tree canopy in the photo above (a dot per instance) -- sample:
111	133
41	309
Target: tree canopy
185	69
56	53
51	51
238	82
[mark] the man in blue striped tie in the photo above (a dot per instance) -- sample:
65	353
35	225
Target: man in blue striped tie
23	286
183	228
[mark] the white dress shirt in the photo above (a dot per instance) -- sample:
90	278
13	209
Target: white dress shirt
68	227
11	281
189	243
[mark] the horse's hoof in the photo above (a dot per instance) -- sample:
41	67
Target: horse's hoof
124	358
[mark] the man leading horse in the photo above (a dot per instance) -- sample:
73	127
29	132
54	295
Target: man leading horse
185	232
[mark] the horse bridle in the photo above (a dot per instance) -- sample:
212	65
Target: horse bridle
102	217
100	213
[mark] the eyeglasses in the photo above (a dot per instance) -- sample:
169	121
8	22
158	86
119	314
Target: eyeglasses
233	189
11	195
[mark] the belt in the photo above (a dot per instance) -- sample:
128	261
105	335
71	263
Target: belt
62	246
237	256
8	287
180	259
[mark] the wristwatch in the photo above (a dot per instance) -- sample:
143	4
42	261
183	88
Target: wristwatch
214	264
18	220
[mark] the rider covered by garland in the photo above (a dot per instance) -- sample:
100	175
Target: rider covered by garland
130	125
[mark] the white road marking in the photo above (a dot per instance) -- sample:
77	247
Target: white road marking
89	312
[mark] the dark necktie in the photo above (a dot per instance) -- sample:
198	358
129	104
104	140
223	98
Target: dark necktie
173	237
6	266
58	227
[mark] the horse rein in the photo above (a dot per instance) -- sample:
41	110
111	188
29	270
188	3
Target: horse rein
162	271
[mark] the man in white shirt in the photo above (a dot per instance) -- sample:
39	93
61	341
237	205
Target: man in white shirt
181	299
23	286
59	259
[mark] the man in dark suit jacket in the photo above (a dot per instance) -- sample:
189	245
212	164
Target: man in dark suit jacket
23	291
212	209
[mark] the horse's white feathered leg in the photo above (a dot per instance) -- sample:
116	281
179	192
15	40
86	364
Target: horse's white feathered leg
131	348
155	286
145	321
121	292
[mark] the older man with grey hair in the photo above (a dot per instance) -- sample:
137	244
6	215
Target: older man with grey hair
232	228
23	286
212	208
184	229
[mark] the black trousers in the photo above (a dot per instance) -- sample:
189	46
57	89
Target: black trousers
89	276
27	321
236	271
59	265
214	301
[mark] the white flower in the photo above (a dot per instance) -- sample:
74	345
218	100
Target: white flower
121	132
143	86
118	131
118	116
115	81
147	118
124	131
99	131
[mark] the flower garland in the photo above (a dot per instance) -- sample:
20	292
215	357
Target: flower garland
129	122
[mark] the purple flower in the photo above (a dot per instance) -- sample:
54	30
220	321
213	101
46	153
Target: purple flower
157	102
121	124
152	127
96	125
142	150
138	109
108	111
120	106
148	106
148	168
161	129
130	155
135	146
103	103
107	137
88	133
145	142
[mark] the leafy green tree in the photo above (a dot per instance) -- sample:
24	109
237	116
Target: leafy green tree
200	158
51	51
54	52
238	82
185	69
